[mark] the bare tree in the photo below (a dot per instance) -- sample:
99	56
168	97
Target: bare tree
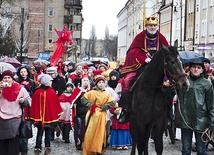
110	44
92	41
7	44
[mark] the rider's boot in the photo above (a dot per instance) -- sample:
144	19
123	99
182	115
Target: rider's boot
124	103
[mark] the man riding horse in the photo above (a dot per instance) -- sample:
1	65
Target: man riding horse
142	49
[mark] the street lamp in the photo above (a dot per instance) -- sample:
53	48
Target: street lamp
22	33
181	23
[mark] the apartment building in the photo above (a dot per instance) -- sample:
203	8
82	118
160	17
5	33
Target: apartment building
191	22
39	19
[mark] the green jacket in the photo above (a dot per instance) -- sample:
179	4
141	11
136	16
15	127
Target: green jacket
196	106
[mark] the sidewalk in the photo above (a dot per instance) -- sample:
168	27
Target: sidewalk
58	147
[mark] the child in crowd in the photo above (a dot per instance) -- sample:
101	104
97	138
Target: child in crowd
64	119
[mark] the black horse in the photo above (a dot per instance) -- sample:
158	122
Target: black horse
149	104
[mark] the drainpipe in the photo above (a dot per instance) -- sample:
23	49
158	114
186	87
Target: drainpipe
171	22
181	24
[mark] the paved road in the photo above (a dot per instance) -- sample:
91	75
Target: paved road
58	147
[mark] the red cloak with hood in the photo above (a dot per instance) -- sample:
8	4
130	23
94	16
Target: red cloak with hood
45	107
137	52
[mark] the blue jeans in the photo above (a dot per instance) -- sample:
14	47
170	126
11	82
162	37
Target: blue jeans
23	144
39	137
186	138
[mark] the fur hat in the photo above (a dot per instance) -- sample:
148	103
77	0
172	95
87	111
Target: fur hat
44	78
99	78
8	73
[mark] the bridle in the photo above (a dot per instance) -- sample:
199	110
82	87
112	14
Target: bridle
172	77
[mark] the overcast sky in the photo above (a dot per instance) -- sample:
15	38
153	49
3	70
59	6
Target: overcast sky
101	13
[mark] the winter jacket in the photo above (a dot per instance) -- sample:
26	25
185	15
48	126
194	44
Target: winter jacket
196	106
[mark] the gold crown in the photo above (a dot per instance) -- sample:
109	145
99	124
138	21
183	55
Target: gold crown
151	21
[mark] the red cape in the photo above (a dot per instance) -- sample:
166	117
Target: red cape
64	98
136	55
45	106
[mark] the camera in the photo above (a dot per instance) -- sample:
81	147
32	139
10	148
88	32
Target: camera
5	84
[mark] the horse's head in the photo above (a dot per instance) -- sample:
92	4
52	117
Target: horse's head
173	67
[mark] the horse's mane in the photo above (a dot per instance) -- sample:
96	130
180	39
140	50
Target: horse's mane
157	54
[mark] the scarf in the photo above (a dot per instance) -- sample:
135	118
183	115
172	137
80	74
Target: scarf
11	93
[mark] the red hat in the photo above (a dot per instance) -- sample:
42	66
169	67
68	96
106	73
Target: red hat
85	67
97	72
84	76
8	73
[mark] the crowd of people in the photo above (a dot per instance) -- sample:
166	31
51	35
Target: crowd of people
79	98
94	101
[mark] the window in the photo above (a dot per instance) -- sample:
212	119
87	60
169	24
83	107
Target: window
50	27
211	30
72	27
204	4
7	10
50	42
50	12
203	28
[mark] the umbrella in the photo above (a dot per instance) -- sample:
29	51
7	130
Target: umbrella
41	62
85	63
6	66
188	56
12	61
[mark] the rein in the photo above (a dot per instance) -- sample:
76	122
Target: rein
172	76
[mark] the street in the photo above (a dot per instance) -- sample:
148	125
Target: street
58	147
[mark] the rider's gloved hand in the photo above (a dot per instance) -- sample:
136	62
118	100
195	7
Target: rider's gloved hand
148	60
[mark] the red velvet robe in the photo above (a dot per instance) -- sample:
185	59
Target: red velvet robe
45	107
137	53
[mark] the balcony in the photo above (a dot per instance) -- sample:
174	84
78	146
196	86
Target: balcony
75	4
68	19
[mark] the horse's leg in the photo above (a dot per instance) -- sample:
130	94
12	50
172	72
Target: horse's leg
158	137
134	134
145	136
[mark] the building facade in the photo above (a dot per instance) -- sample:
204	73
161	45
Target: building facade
40	18
190	22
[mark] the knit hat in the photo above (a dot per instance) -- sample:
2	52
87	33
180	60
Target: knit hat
51	70
71	64
115	73
99	78
97	72
77	82
69	84
103	65
44	78
85	67
8	73
84	76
